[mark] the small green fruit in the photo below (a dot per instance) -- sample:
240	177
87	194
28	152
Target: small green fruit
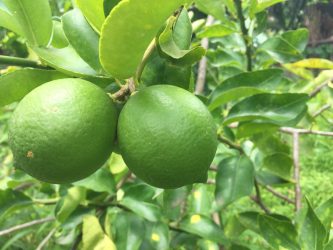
167	136
63	131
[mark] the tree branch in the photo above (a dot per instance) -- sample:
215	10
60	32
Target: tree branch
202	70
231	144
297	171
16	61
245	32
46	239
26	225
317	90
279	195
305	131
258	199
321	110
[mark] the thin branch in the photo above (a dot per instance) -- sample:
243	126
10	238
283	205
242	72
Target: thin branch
26	225
258	199
16	61
321	110
124	180
121	93
317	90
245	32
202	70
151	48
279	195
305	131
231	144
321	42
297	171
46	239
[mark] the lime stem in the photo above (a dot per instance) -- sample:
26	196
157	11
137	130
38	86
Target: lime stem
16	61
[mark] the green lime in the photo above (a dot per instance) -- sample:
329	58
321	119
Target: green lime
63	131
167	136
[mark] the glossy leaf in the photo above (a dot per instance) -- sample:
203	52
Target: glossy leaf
216	30
93	236
14	86
8	21
215	8
288	47
264	4
147	210
70	202
82	38
36	23
325	213
243	85
182	30
169	47
279	164
65	60
161	71
201	200
109	5
312	231
250	221
59	39
173	202
278	233
279	109
128	230
203	227
12	200
234	180
100	181
123	43
158	235
314	63
93	10
329	245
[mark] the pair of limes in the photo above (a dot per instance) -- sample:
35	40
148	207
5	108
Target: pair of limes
65	130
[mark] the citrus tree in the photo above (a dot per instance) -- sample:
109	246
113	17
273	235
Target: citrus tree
200	105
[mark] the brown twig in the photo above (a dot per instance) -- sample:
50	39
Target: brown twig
297	171
321	110
258	200
279	195
291	131
231	144
124	180
46	239
321	42
317	90
202	70
26	225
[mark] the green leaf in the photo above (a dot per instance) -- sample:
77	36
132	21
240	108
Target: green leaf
279	164
109	5
215	8
288	47
312	232
233	228
147	210
216	30
234	180
158	236
116	163
93	236
123	43
200	200
161	71
250	220
329	245
173	200
10	201
82	38
169	47
93	10
313	63
279	109
128	230
59	39
34	18
65	60
278	233
8	21
14	86
243	85
182	30
70	202
264	4
101	181
325	213
247	129
203	227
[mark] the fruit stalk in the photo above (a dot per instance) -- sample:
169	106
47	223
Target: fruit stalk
15	61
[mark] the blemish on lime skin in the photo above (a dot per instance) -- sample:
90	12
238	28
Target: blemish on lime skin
30	154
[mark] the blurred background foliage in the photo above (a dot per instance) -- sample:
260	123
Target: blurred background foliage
136	225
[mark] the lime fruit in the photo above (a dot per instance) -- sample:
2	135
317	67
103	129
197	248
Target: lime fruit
167	136
63	131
